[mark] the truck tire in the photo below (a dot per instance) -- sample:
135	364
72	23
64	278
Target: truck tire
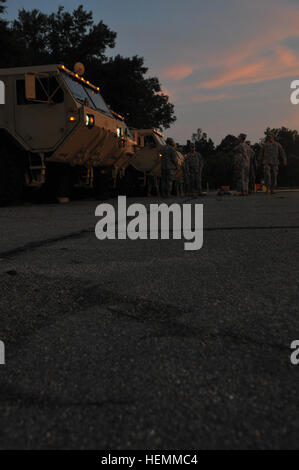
11	177
101	186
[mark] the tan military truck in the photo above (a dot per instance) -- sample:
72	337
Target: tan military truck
51	115
143	176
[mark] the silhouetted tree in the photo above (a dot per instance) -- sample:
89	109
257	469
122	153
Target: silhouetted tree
61	37
203	144
8	41
138	98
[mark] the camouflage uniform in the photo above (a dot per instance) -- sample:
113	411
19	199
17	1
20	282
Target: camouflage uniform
252	169
179	176
270	155
169	167
153	186
186	176
241	167
195	164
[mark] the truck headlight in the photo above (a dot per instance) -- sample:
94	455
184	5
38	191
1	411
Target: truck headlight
89	121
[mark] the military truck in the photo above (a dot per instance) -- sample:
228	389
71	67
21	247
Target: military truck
143	175
53	116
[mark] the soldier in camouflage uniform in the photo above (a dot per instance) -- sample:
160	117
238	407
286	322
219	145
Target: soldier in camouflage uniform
153	186
186	176
252	168
195	164
169	166
242	165
270	155
179	174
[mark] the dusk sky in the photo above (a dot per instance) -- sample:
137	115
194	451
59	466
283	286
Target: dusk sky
227	65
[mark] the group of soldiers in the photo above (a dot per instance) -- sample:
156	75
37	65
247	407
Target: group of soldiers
190	181
246	162
245	165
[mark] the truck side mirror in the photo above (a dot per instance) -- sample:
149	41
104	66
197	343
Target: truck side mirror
30	86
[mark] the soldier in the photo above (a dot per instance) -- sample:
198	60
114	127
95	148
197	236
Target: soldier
186	176
271	153
179	174
252	167
169	166
153	188
241	166
195	164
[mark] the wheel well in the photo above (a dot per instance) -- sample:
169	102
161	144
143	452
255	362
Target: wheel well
8	139
11	144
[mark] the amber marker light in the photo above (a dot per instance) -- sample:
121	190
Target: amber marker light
72	119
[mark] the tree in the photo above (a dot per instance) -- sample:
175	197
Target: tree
30	30
202	144
61	37
7	40
138	98
2	6
219	170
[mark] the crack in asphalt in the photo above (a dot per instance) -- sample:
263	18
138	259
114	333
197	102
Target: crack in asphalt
46	402
35	245
50	241
160	315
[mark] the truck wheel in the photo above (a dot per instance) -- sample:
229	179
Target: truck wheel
101	189
11	177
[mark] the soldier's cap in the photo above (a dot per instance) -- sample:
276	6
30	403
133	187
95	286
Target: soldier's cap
170	141
243	136
248	142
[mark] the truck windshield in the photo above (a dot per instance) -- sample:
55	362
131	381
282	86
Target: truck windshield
86	95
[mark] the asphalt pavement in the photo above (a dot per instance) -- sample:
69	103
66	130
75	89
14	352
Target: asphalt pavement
122	344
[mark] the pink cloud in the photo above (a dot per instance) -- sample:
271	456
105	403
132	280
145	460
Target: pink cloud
255	59
237	75
210	98
282	63
177	72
